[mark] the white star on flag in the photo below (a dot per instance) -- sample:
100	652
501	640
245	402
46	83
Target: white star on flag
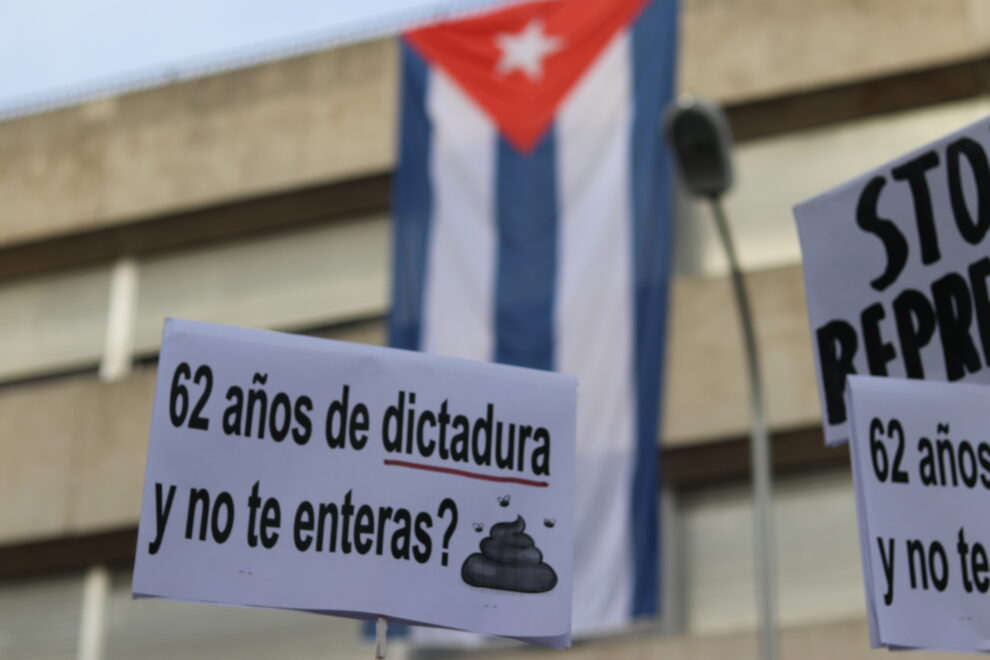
525	50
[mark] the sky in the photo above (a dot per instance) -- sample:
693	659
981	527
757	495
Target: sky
60	52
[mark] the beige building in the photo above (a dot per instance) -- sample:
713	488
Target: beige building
260	198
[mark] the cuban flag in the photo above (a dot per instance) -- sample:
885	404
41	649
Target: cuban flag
532	209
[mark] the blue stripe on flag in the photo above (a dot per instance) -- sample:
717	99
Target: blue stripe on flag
412	205
526	216
654	47
412	208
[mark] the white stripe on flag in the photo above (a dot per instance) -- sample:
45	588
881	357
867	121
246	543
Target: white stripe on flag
594	321
459	283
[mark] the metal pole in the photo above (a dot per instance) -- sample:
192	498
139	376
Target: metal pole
759	452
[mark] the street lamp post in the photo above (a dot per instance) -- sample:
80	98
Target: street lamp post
700	136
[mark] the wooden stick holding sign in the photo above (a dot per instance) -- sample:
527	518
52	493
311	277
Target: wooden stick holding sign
381	637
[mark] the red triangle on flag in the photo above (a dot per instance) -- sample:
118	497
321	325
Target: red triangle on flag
520	63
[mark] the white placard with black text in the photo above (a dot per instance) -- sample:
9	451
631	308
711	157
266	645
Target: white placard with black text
921	464
302	473
897	270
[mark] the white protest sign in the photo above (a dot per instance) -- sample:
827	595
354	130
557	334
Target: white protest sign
897	272
302	473
921	464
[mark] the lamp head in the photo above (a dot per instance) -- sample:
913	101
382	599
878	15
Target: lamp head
699	134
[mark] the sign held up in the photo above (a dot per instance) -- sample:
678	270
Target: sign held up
896	271
921	466
300	473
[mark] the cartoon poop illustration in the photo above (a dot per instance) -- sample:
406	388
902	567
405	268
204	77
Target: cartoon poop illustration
509	560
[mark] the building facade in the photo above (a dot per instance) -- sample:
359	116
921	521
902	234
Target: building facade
260	197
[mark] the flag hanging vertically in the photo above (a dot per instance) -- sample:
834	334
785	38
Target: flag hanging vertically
532	226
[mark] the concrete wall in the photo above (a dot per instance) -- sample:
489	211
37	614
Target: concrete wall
843	639
317	118
706	393
756	48
332	115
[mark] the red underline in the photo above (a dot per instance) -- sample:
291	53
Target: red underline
465	473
